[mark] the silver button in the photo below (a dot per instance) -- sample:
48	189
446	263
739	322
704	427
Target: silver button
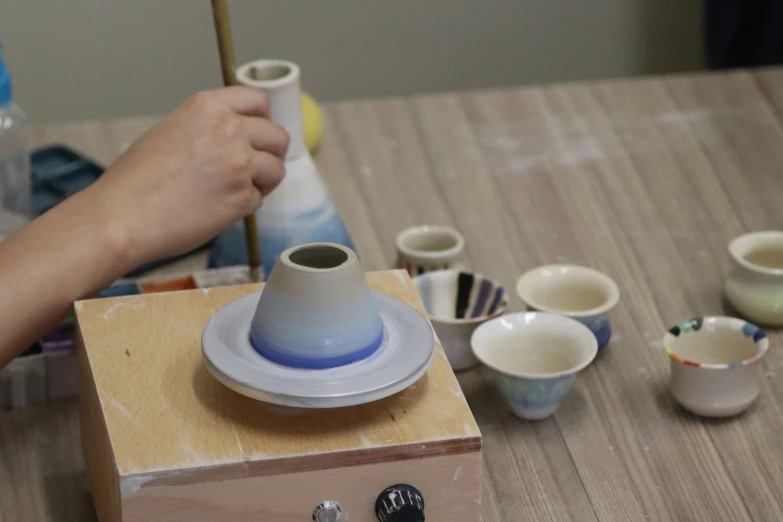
328	511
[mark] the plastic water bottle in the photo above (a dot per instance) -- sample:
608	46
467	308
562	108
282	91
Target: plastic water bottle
15	191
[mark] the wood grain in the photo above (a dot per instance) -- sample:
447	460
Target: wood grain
646	180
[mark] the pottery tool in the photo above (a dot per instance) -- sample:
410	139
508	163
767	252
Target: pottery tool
226	49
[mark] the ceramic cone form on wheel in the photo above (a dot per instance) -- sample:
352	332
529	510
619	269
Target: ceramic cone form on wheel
316	310
299	210
317	336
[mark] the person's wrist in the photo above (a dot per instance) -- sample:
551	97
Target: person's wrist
112	233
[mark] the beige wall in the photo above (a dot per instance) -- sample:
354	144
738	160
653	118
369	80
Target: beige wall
145	56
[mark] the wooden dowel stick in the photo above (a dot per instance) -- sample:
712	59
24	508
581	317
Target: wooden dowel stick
226	49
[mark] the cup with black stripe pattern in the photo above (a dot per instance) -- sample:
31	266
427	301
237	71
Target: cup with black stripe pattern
457	302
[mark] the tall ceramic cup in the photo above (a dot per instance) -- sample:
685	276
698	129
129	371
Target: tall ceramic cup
755	284
426	248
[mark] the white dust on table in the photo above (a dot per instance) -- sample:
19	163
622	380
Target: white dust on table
127	304
107	399
541	145
239	443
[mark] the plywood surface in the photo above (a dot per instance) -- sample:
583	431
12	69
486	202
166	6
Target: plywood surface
449	485
167	416
647	180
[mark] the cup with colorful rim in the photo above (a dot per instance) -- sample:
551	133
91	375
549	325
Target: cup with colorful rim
714	364
427	248
457	303
534	357
754	286
578	292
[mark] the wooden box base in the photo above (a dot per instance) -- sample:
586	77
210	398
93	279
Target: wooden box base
165	441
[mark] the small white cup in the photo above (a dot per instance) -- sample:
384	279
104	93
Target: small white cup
535	357
714	364
426	248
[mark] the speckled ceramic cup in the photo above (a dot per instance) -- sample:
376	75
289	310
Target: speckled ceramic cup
534	357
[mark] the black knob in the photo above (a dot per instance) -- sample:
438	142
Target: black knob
400	503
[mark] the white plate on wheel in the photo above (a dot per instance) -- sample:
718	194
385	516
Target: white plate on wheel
404	356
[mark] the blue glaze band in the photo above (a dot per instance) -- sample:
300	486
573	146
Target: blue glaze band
603	335
285	358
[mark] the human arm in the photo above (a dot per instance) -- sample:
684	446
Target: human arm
203	167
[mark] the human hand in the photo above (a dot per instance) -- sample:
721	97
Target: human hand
203	167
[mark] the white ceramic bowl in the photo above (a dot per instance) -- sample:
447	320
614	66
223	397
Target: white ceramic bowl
755	284
457	303
714	364
578	292
316	310
535	357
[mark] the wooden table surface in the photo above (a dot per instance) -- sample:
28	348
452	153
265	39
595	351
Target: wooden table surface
647	180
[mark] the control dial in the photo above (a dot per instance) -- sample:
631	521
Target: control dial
400	503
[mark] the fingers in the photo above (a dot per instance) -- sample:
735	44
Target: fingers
244	100
268	172
266	136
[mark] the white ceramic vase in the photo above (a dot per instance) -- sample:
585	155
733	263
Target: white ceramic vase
300	209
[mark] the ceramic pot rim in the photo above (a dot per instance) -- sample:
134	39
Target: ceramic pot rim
470	320
754	333
740	245
430	254
584	333
608	282
244	72
285	257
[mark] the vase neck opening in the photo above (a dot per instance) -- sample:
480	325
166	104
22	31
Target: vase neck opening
318	257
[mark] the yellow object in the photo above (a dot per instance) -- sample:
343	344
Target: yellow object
313	122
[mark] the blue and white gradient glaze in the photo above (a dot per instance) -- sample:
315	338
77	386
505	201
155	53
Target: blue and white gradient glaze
534	399
299	211
600	326
322	224
316	318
